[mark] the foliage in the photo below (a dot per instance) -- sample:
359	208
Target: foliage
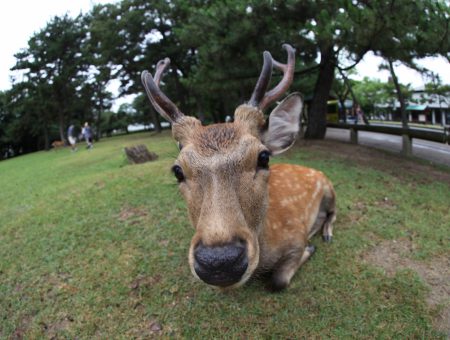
438	90
413	30
373	91
50	94
215	49
345	31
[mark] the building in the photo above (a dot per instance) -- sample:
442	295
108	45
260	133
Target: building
422	107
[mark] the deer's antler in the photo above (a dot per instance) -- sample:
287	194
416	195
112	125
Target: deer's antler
260	98
159	100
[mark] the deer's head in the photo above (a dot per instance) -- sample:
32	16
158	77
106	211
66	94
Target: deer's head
223	170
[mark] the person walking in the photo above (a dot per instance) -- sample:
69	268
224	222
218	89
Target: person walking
71	137
87	132
360	116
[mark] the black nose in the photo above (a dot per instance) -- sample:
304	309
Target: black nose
221	265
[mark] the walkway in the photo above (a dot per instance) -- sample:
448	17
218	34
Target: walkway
437	153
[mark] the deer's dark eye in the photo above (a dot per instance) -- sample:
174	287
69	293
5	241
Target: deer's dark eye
263	159
178	172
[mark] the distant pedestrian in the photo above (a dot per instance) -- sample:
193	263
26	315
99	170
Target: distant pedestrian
71	137
87	132
359	115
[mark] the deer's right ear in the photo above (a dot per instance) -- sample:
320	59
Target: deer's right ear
284	124
183	130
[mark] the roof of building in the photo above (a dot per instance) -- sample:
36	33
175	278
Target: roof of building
416	107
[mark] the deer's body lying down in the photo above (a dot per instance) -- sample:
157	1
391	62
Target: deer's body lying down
307	206
248	217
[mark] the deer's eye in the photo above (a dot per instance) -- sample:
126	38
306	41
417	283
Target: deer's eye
178	172
263	159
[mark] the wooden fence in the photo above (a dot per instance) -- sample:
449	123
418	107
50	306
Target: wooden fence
441	136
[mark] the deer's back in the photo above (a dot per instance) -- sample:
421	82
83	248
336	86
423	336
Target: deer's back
295	195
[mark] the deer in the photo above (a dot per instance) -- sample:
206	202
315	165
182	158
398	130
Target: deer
249	218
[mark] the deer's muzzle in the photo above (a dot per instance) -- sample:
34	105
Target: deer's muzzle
221	265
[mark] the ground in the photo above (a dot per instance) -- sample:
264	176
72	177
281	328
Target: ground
395	255
92	247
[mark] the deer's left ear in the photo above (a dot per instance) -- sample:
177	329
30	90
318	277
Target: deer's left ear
284	123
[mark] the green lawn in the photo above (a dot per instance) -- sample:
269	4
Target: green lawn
91	247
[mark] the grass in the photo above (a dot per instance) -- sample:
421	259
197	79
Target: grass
91	247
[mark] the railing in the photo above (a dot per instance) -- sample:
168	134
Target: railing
441	136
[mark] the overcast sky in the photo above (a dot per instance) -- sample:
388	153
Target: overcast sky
19	19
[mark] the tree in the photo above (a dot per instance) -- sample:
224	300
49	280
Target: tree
344	31
99	59
341	30
5	118
373	92
26	123
135	35
437	89
401	95
53	61
215	50
423	31
227	40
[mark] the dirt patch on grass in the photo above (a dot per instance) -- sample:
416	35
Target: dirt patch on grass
395	255
393	164
53	330
21	329
131	213
143	281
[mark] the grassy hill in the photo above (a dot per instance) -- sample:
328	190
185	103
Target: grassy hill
93	247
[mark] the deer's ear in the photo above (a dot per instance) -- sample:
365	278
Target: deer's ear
284	123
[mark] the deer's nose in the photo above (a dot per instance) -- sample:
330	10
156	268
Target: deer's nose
221	265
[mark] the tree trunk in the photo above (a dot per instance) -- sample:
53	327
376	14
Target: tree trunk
98	123
97	126
400	96
61	126
317	115
352	94
344	113
154	116
406	138
200	113
214	115
179	87
99	115
349	86
46	138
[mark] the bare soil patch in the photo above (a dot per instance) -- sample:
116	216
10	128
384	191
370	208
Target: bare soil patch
130	213
54	330
21	329
394	255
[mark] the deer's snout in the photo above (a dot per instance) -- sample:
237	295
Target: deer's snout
221	265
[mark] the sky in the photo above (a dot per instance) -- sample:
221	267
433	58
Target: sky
19	19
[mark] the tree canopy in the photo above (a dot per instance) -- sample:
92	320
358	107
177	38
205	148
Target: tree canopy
215	47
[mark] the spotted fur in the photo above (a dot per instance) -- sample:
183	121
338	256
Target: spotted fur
275	211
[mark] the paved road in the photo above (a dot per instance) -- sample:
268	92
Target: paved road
438	153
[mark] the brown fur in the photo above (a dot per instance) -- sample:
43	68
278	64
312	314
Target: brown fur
58	144
216	138
275	211
296	212
246	216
